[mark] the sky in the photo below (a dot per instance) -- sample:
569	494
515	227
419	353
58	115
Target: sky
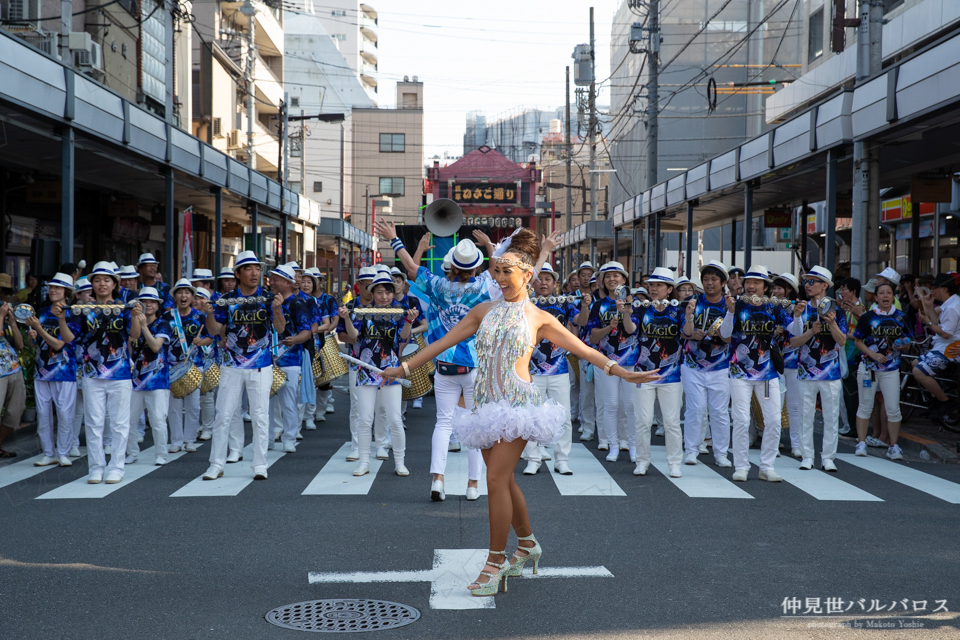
502	56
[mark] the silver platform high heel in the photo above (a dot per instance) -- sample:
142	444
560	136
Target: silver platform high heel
492	586
533	553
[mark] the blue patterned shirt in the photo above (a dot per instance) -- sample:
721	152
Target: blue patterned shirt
549	359
751	342
878	331
618	344
450	302
249	326
151	370
194	326
298	315
378	343
709	354
660	341
106	353
57	366
819	358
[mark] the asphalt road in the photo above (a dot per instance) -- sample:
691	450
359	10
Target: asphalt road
139	563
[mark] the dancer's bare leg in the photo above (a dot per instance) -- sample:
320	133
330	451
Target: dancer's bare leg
501	460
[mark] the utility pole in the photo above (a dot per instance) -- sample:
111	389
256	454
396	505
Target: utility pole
303	154
568	133
250	11
593	133
865	236
653	94
284	140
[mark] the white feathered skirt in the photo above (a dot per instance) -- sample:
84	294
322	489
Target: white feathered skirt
485	425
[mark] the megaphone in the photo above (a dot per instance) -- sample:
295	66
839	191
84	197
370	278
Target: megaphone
443	217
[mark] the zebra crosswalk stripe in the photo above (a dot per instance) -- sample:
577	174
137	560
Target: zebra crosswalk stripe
18	471
336	477
236	477
819	484
936	487
698	481
589	478
131	473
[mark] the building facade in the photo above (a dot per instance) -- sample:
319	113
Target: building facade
353	27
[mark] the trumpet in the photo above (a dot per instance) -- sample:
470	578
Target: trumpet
656	304
224	302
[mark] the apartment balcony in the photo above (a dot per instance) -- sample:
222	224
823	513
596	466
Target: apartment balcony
368	22
369	51
269	88
368	74
268	33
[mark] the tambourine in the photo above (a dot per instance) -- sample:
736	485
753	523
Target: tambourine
621	293
827	305
224	302
23	312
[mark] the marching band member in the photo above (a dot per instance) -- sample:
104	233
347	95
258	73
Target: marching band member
660	349
82	294
226	282
786	286
55	379
329	314
750	329
202	278
819	346
128	283
401	287
211	356
379	341
612	330
879	336
151	373
189	335
550	371
735	281
587	398
147	267
13	390
706	384
244	328
107	377
297	321
308	286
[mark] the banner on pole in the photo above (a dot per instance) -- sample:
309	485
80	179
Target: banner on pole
186	244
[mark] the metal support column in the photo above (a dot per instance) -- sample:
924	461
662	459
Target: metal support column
733	244
804	265
170	239
657	249
830	213
284	236
616	241
747	225
66	195
915	241
688	268
254	228
339	290
218	229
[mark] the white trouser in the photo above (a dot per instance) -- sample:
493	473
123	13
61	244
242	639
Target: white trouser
574	395
284	412
208	409
97	394
155	403
886	382
615	410
830	392
588	402
792	397
233	382
371	399
183	417
448	390
556	388
740	392
324	400
706	390
78	415
59	397
379	431
669	396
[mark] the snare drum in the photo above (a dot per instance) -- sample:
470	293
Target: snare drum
421	380
185	378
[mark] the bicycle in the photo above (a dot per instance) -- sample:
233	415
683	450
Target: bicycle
914	396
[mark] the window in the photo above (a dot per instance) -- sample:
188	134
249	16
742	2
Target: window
339	36
339	13
391	186
318	187
295	102
294	186
815	35
392	142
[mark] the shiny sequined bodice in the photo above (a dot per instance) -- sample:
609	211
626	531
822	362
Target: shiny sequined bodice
503	338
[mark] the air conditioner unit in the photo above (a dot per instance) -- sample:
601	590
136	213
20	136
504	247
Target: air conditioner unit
233	140
43	40
87	54
24	13
217	128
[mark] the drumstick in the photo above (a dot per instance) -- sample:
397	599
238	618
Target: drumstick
360	363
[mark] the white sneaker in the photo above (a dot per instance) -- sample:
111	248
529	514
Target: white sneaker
545	454
861	449
532	467
160	461
613	455
213	473
586	437
329	408
130	460
473	493
770	476
675	471
690	458
173	449
45	461
318	418
624	445
139	439
454	447
205	434
95	478
259	473
75	452
277	434
247	417
418	404
299	435
603	446
659	431
113	478
828	465
64	461
382	454
806	464
895	453
641	469
561	467
633	454
723	462
309	425
401	470
289	447
708	442
234	457
703	449
190	447
796	452
362	469
354	455
436	491
740	475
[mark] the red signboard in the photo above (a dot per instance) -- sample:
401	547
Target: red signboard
777	217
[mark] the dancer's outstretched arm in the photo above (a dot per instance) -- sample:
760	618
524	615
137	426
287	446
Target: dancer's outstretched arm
463	330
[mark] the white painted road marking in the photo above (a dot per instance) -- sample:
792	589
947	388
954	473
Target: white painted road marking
819	484
337	479
131	473
14	473
236	477
458	472
698	481
936	487
453	570
589	478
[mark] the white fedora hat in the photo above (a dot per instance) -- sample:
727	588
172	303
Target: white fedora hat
149	293
226	272
104	268
758	272
128	271
61	280
384	278
821	273
716	265
146	258
662	274
183	283
466	255
548	268
246	258
890	274
285	272
201	274
614	267
790	279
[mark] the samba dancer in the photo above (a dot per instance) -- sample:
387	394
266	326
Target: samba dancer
244	328
786	287
189	338
750	326
509	410
55	378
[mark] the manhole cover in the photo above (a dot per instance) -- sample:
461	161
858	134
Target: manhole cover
343	616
